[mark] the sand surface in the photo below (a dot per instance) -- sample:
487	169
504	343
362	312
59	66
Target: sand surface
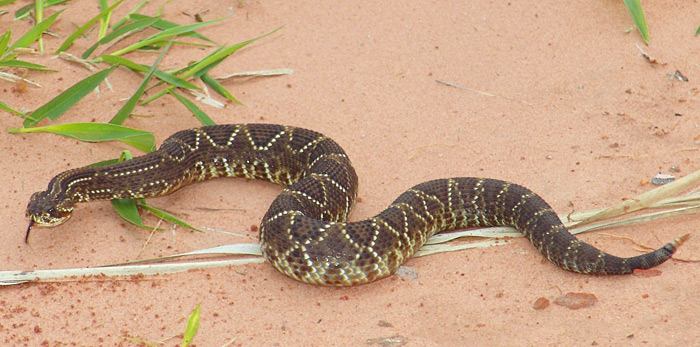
567	106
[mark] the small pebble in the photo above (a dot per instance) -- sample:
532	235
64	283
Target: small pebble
575	301
407	272
540	304
661	179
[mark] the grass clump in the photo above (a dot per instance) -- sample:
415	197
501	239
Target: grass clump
190	78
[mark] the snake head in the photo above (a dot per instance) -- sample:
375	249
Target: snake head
47	209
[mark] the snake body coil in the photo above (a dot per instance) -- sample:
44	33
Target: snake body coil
304	234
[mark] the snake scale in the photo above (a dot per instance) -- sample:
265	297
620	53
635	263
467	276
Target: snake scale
305	233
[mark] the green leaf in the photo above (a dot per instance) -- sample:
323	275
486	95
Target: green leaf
126	208
104	21
24	64
110	161
126	17
209	62
125	111
165	25
159	44
86	26
207	68
98	132
162	75
179	30
214	84
34	33
635	9
123	31
697	32
203	117
216	58
24	11
6	107
192	327
4	40
167	217
60	104
39	16
9	56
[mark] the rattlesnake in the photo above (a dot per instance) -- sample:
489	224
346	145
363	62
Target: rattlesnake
305	233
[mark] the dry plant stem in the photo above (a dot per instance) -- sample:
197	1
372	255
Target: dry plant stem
150	235
261	73
205	97
17	277
82	62
645	200
637	219
691	200
14	78
659	197
464	88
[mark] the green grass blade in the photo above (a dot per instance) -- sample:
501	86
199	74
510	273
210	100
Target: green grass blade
6	107
214	84
126	17
177	72
60	104
128	107
206	69
104	21
635	9
209	62
168	217
124	62
158	45
189	66
34	33
24	11
4	41
192	327
216	58
175	81
6	2
111	161
126	208
162	75
203	117
126	30
86	26
157	95
166	34
24	64
98	132
697	32
10	56
165	25
39	16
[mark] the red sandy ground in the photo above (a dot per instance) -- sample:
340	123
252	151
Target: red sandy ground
578	116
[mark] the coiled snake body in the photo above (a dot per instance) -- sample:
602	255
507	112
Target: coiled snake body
304	234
